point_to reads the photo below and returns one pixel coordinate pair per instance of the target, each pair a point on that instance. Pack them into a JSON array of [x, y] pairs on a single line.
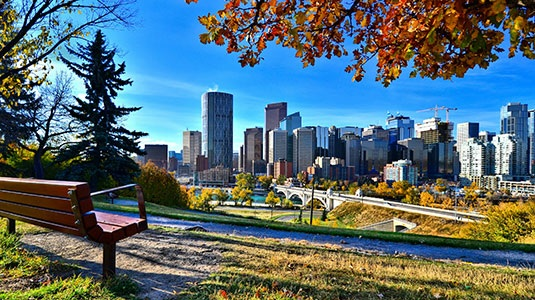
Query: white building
[[507, 155], [476, 159]]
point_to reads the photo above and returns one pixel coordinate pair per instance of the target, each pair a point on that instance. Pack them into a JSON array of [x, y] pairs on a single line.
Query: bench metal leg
[[108, 264], [10, 226]]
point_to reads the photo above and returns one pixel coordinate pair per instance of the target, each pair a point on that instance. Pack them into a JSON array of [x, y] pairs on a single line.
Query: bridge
[[330, 200]]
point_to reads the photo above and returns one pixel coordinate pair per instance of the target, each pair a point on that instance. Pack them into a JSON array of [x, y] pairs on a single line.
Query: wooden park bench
[[66, 206]]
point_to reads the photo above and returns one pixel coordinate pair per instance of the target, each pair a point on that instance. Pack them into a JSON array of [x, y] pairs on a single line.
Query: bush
[[160, 187], [287, 203], [203, 201], [508, 222]]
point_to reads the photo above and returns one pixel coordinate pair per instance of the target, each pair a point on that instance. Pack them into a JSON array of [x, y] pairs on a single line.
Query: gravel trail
[[493, 257]]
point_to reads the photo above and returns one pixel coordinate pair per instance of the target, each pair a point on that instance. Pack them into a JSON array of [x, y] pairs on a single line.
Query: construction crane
[[437, 108]]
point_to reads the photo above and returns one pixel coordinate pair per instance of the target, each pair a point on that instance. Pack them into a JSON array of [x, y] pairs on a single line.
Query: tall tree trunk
[[38, 169]]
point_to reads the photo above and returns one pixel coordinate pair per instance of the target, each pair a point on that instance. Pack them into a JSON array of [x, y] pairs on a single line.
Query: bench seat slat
[[118, 227]]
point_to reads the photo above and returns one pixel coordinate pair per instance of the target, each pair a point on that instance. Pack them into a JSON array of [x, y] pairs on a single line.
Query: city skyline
[[171, 71]]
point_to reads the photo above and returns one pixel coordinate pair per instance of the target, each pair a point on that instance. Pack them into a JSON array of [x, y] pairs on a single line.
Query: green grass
[[78, 287], [159, 210], [15, 261], [268, 269], [27, 268]]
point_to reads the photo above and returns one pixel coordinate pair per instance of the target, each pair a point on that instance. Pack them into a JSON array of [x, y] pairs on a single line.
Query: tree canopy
[[432, 38], [33, 29]]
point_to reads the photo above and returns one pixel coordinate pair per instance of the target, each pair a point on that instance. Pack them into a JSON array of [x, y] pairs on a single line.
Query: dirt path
[[160, 263]]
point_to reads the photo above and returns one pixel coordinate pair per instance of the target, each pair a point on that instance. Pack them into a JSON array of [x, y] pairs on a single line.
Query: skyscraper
[[304, 145], [531, 131], [192, 147], [290, 123], [353, 151], [514, 121], [437, 138], [252, 147], [274, 113], [467, 130], [278, 145], [217, 126], [399, 128]]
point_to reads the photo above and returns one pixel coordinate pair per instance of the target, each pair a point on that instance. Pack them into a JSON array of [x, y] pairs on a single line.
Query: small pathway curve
[[365, 245]]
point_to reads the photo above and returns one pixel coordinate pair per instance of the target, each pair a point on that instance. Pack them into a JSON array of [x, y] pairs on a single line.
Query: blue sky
[[171, 69]]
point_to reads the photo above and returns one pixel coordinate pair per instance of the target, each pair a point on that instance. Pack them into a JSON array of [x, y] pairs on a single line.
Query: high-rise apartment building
[[191, 147], [217, 126], [486, 136], [506, 154], [465, 131], [514, 121], [476, 159], [274, 113], [252, 150], [157, 154], [304, 144]]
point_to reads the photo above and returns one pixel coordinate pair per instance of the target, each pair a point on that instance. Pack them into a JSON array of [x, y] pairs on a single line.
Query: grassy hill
[[355, 215]]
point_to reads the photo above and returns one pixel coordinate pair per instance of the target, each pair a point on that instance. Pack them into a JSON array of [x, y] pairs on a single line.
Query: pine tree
[[102, 151]]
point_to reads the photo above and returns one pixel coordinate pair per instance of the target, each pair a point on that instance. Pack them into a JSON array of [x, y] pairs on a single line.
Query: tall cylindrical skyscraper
[[217, 120]]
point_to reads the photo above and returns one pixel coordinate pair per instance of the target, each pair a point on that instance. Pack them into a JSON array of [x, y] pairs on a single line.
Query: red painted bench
[[66, 206]]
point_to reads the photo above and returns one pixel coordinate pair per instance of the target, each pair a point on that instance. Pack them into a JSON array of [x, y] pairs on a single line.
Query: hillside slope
[[356, 215]]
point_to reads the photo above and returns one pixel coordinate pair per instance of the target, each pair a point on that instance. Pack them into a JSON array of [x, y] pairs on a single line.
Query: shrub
[[203, 201], [287, 203], [160, 187], [508, 222]]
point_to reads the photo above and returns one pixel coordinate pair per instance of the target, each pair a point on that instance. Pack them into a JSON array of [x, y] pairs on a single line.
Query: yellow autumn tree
[[426, 199]]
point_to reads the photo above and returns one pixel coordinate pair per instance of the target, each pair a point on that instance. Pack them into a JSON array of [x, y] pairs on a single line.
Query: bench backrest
[[64, 206]]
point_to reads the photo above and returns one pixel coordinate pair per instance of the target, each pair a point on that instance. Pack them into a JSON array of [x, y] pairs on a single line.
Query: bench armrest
[[139, 196]]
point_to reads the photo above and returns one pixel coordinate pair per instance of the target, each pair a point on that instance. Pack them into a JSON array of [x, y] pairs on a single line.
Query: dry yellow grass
[[357, 215], [257, 269]]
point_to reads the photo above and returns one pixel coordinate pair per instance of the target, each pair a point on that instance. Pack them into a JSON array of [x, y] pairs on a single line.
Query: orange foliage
[[436, 38]]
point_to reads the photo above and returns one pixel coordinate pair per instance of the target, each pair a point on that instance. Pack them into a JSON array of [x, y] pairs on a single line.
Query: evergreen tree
[[102, 151]]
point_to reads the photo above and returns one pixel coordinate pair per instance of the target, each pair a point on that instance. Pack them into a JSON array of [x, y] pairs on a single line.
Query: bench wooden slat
[[47, 215], [111, 223], [43, 187], [53, 203], [41, 223]]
